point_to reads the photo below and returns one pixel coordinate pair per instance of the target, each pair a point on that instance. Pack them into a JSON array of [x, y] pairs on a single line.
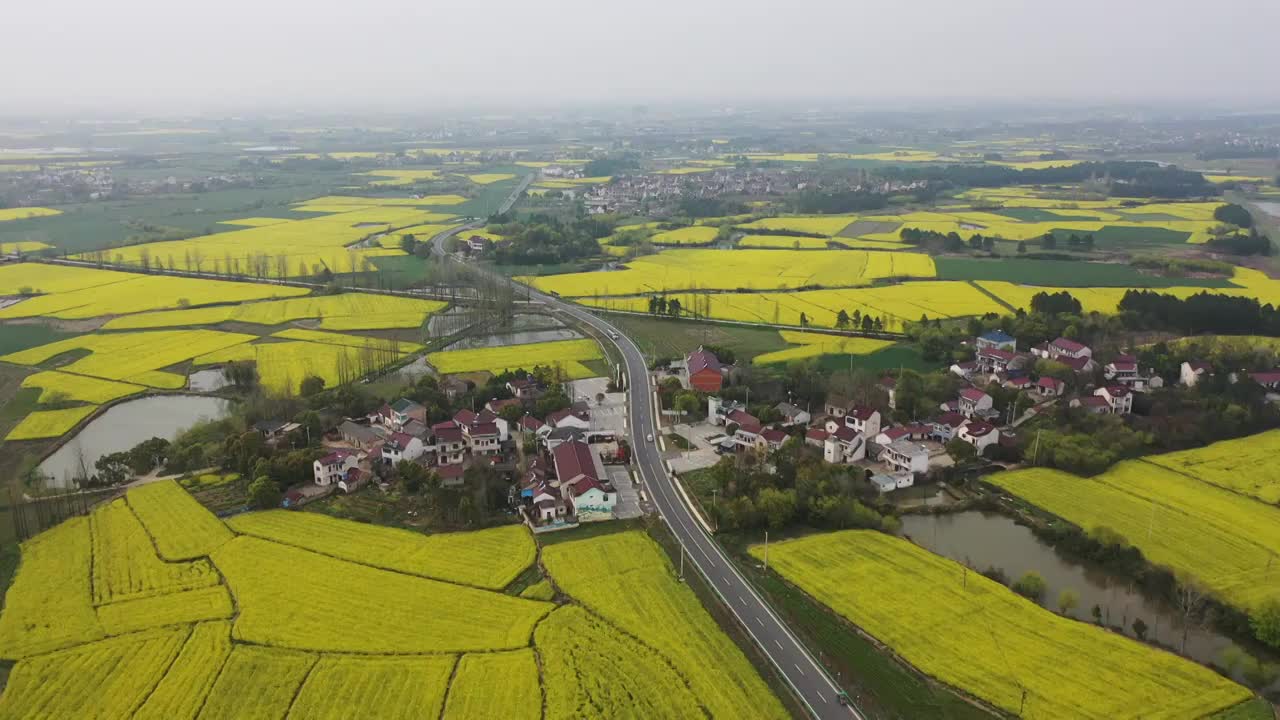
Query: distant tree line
[[546, 240], [1128, 178], [834, 203], [1200, 313]]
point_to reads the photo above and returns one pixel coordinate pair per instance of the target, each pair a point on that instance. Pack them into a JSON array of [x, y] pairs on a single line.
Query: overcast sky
[[158, 55]]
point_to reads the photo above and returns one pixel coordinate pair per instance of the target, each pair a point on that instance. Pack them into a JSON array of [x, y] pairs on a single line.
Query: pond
[[207, 380], [982, 540], [125, 425], [514, 338]]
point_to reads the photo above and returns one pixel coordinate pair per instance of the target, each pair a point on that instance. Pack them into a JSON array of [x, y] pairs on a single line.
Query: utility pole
[[766, 550], [682, 563]]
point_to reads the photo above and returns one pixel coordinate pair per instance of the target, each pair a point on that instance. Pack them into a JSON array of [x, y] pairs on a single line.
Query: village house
[[718, 409], [888, 482], [771, 439], [449, 443], [452, 475], [400, 446], [965, 370], [996, 340], [353, 480], [1122, 370], [863, 420], [946, 425], [1191, 372], [979, 433], [1049, 387], [1021, 382], [706, 374], [333, 467], [1119, 398], [914, 431], [454, 388], [995, 360], [577, 416], [889, 385], [792, 415], [1269, 379], [562, 435], [578, 478], [844, 446], [531, 425], [1074, 355], [1092, 404], [906, 456], [496, 406], [524, 389], [747, 429], [974, 402], [816, 437], [363, 437]]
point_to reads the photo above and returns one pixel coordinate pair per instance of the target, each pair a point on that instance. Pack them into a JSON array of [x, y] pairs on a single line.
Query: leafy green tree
[[264, 493], [311, 385], [1139, 629], [1030, 586], [1068, 600], [1265, 621], [688, 403], [960, 451]]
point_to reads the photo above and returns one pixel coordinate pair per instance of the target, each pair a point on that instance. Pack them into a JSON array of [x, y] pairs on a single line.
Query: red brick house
[[706, 374]]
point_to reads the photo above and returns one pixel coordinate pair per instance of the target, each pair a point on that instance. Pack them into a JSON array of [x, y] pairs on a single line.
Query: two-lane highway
[[807, 678]]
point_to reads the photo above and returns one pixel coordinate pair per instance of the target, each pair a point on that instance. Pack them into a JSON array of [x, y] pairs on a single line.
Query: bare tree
[[1190, 599]]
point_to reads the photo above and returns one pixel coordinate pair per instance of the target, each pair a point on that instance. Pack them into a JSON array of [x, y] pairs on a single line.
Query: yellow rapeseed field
[[1245, 465], [129, 356], [294, 598], [572, 643], [27, 213], [180, 608], [784, 242], [626, 579], [697, 235], [22, 246], [567, 354], [387, 688], [257, 683], [813, 345], [49, 423], [73, 293], [290, 249], [489, 178], [401, 177], [187, 683], [282, 366], [501, 684], [106, 679], [678, 270], [346, 311], [977, 635], [59, 386], [489, 559], [181, 527], [894, 304], [1224, 539], [50, 603], [824, 225], [254, 221], [126, 565]]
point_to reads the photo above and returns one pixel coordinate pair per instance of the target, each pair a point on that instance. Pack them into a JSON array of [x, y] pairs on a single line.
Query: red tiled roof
[[487, 428], [1115, 390], [978, 428], [743, 418], [894, 433], [498, 406], [335, 457], [1018, 381], [529, 422], [464, 417], [484, 416], [844, 433], [1076, 364], [1049, 382], [862, 413], [444, 424], [700, 360], [582, 486], [1067, 345], [449, 472], [451, 433], [997, 353], [817, 434], [572, 459], [773, 435], [950, 419], [1266, 378], [1123, 365], [972, 394]]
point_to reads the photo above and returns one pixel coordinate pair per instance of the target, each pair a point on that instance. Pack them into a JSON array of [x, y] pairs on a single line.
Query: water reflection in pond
[[207, 380], [989, 540], [125, 425]]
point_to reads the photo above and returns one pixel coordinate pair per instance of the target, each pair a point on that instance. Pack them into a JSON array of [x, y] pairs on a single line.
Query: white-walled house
[[333, 467], [974, 402], [906, 456], [1119, 397], [844, 446], [1192, 372], [863, 420], [979, 434]]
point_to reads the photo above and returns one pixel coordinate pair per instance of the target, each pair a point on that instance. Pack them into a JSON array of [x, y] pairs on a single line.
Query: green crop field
[[978, 636], [129, 613], [1063, 273]]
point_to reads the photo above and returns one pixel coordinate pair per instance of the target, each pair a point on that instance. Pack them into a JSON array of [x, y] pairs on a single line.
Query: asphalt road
[[809, 681]]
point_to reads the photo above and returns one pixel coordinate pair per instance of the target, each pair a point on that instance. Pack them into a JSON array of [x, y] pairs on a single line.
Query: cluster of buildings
[[568, 489]]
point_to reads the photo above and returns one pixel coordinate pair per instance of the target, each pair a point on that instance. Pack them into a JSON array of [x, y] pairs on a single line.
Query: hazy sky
[[158, 55]]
